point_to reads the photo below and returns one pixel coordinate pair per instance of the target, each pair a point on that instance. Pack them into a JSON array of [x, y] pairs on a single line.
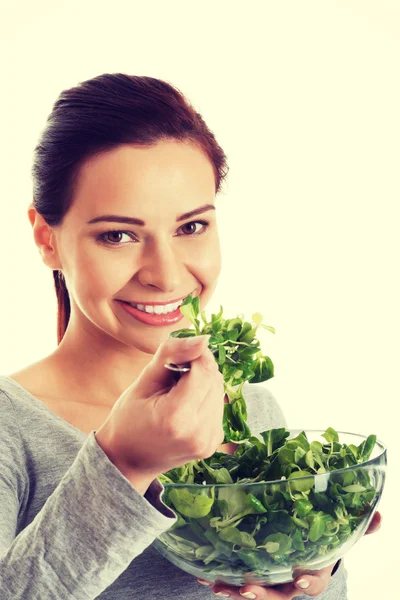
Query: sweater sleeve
[[88, 531], [264, 411]]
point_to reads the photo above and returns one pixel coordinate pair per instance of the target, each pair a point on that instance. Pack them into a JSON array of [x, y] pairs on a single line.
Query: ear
[[45, 239], [31, 213]]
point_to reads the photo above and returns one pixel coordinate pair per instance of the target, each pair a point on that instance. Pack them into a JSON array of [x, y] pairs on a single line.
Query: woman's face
[[160, 261]]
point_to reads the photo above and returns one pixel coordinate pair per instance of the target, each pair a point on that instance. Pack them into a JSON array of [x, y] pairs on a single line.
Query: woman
[[125, 178]]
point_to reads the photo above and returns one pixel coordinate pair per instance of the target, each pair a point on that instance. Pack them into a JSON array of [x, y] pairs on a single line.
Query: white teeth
[[158, 310]]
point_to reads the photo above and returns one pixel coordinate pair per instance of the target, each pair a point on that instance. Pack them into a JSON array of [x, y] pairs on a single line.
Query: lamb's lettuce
[[237, 351], [286, 522]]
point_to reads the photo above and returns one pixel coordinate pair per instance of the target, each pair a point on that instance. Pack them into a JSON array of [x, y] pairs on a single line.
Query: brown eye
[[107, 239], [191, 228], [111, 234]]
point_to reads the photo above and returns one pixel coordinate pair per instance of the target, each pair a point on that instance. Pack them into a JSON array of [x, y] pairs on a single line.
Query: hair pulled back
[[98, 115]]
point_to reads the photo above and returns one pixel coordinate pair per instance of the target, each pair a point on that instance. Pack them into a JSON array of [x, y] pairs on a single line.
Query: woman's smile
[[155, 314]]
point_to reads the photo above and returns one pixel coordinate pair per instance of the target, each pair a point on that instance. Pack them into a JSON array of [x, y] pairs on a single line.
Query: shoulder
[[7, 410], [13, 415], [12, 449], [10, 437], [263, 410], [11, 396]]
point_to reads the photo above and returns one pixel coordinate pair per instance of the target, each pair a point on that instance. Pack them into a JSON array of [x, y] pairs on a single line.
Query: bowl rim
[[319, 476]]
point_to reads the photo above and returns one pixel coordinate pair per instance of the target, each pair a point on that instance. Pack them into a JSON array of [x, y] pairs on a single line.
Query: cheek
[[98, 277], [207, 272], [208, 261]]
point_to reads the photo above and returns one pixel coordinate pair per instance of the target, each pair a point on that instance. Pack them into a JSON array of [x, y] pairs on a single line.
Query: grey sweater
[[72, 527]]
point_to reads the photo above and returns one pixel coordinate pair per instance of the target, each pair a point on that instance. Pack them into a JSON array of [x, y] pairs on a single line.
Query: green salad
[[256, 527], [239, 356]]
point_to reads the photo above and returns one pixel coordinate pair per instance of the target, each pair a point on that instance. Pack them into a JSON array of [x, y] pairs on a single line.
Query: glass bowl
[[268, 533]]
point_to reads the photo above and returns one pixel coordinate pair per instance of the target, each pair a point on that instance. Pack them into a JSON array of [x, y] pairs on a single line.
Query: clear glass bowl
[[278, 542]]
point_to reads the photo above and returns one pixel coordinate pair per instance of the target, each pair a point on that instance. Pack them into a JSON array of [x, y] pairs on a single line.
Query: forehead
[[169, 175]]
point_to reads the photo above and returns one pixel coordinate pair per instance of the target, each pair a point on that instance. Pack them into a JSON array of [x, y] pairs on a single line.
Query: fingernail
[[203, 582], [303, 584], [222, 594], [248, 595]]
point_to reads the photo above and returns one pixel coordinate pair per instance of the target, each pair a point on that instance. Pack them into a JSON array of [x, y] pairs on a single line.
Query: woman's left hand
[[317, 583]]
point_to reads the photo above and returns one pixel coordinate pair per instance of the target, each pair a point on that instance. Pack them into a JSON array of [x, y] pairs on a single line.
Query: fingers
[[155, 376], [317, 584], [375, 524], [286, 591], [202, 378], [198, 397]]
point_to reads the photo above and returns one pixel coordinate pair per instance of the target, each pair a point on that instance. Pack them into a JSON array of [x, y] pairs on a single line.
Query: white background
[[304, 98]]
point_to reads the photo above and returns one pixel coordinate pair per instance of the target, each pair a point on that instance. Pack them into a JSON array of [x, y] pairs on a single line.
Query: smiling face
[[161, 261]]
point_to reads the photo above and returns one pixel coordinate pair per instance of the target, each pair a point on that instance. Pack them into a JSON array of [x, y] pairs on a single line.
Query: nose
[[161, 267]]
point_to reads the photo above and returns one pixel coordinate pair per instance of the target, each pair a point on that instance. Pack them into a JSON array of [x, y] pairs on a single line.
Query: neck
[[97, 364]]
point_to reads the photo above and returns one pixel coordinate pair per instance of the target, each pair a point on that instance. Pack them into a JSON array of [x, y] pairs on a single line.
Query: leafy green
[[287, 521], [237, 351], [191, 504]]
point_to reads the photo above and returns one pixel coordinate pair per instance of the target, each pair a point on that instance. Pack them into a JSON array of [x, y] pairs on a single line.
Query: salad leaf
[[286, 522], [237, 352], [230, 529]]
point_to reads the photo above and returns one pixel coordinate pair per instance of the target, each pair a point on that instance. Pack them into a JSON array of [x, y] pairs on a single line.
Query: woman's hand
[[317, 583], [285, 591], [375, 524], [159, 423]]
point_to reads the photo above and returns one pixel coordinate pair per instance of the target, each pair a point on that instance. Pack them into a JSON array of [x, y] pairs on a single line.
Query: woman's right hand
[[157, 423]]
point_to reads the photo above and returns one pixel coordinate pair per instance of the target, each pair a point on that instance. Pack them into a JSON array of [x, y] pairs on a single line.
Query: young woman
[[125, 177]]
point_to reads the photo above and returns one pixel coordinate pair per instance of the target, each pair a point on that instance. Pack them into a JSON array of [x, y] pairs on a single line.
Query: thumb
[[317, 581], [155, 377]]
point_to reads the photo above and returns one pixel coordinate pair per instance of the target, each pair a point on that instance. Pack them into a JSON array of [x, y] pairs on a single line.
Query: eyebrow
[[133, 221]]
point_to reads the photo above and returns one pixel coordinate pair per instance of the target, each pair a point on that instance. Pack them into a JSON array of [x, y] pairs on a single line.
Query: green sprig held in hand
[[237, 351]]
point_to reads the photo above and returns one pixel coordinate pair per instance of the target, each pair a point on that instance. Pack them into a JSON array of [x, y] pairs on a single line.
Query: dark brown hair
[[95, 116]]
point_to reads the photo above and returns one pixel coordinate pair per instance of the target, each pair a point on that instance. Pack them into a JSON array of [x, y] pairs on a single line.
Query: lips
[[150, 318]]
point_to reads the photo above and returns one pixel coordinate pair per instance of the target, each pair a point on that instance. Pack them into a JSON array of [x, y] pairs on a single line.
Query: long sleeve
[[86, 534], [73, 527], [264, 411]]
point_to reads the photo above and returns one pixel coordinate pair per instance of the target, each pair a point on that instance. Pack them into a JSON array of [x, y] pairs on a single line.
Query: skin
[[104, 350]]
